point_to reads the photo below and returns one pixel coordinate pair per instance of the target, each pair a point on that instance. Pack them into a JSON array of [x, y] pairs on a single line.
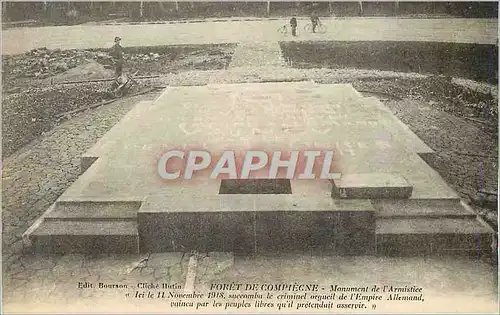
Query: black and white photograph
[[220, 157]]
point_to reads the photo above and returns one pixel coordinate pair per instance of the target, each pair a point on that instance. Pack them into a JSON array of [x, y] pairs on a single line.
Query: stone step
[[340, 233], [424, 227], [85, 237], [417, 208], [259, 224], [371, 186], [93, 210], [432, 236]]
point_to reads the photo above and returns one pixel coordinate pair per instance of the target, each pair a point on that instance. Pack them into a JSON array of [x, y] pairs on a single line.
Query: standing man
[[293, 24], [117, 55]]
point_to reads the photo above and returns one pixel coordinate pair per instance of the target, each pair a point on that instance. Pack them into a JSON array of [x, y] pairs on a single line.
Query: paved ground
[[482, 31], [50, 285]]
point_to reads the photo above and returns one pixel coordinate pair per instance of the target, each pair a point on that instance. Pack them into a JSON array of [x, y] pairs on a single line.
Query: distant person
[[293, 24], [117, 55], [315, 22]]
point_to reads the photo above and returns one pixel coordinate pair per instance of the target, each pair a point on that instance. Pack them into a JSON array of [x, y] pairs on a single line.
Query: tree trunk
[[141, 9], [5, 14], [268, 7]]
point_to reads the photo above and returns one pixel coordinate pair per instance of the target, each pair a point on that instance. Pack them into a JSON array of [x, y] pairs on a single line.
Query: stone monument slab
[[121, 175]]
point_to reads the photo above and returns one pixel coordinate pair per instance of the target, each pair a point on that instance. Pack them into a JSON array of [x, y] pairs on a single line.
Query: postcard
[[249, 157]]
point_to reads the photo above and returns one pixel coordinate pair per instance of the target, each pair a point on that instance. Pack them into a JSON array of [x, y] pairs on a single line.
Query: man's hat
[[117, 38]]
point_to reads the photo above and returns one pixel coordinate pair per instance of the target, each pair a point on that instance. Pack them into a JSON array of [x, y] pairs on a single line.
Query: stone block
[[295, 231], [255, 186], [432, 236], [94, 210], [417, 208], [333, 232], [372, 186], [85, 237], [120, 202], [200, 231], [355, 233]]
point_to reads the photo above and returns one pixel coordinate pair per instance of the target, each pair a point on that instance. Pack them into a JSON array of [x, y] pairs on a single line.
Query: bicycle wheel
[[119, 92], [283, 29], [308, 28], [321, 29]]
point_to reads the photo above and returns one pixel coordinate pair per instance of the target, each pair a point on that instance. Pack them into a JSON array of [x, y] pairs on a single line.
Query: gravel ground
[[472, 61], [174, 59], [466, 152], [30, 107], [43, 63], [36, 175], [29, 114], [441, 94]]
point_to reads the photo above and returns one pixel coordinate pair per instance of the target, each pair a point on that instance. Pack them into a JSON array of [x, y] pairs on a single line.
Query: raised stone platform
[[388, 201]]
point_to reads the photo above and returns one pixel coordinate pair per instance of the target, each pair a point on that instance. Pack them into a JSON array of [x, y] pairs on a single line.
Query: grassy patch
[[471, 61]]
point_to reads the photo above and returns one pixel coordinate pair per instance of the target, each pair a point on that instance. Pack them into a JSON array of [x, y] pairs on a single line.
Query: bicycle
[[122, 84], [283, 29], [320, 28]]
